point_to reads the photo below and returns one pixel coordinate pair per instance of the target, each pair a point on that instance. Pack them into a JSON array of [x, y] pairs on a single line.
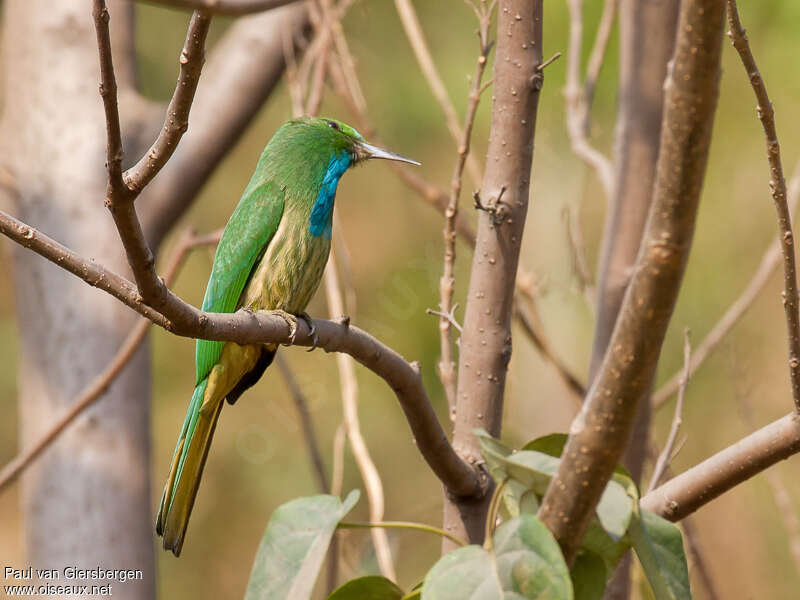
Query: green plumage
[[271, 257]]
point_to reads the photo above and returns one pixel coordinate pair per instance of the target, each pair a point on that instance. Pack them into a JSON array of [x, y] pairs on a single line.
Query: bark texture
[[486, 339], [647, 41], [601, 431], [53, 142]]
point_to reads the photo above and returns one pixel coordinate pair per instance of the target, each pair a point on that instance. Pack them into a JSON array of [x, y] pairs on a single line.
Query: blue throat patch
[[321, 221]]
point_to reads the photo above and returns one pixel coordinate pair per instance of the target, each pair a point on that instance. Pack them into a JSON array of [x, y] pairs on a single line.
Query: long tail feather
[[187, 467]]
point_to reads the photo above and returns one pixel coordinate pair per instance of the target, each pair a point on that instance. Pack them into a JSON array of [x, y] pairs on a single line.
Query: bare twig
[[337, 470], [600, 432], [177, 119], [699, 563], [575, 95], [97, 387], [231, 8], [777, 186], [666, 453], [598, 54], [696, 487], [306, 423], [413, 29], [369, 473], [447, 363], [766, 268]]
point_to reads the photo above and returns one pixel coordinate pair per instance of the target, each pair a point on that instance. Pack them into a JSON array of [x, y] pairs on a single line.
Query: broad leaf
[[589, 576], [294, 545], [525, 562], [659, 546], [371, 587]]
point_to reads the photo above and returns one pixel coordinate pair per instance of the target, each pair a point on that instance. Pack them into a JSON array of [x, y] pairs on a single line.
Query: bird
[[271, 256]]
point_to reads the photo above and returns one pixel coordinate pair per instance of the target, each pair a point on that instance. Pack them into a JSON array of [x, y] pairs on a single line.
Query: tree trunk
[[86, 502]]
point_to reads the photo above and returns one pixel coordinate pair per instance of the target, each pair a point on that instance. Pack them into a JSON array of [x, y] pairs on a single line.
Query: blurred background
[[259, 460]]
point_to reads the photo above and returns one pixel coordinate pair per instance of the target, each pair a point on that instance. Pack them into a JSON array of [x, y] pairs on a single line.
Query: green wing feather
[[243, 242]]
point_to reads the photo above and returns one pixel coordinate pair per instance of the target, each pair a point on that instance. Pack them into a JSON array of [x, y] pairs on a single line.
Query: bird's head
[[341, 138]]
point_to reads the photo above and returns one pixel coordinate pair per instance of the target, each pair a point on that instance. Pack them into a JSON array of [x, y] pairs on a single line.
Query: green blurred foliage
[[394, 240]]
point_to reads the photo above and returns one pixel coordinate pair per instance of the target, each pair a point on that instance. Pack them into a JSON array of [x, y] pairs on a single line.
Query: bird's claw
[[312, 330], [291, 321]]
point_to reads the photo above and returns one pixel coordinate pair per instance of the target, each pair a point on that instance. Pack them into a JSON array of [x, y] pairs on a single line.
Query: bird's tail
[[187, 466]]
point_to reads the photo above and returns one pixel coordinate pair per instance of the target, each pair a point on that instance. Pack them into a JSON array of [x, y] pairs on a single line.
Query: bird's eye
[[334, 125]]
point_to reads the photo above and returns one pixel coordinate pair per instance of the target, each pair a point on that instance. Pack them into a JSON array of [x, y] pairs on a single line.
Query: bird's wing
[[243, 242]]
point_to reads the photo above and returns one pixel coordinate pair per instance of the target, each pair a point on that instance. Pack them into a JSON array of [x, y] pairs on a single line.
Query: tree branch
[[97, 387], [600, 432], [777, 186], [447, 363], [685, 493], [176, 121], [486, 341]]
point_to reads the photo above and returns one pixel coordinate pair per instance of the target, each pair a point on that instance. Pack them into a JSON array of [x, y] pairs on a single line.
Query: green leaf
[[525, 562], [659, 546], [294, 545], [615, 509], [413, 595], [552, 444], [371, 587], [588, 575]]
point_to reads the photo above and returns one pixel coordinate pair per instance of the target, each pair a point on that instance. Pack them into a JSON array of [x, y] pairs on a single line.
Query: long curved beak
[[367, 151]]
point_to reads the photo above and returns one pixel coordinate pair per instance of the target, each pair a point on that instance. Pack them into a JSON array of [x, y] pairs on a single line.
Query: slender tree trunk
[[87, 501], [647, 40], [486, 341]]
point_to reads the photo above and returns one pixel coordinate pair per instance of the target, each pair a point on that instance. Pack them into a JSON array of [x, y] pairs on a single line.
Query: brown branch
[[413, 29], [486, 342], [663, 460], [777, 186], [230, 8], [97, 387], [447, 363], [600, 432], [241, 72], [245, 327], [177, 119], [696, 487], [769, 263]]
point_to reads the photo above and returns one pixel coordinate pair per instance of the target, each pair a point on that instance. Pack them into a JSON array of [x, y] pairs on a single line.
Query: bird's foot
[[312, 330], [291, 321]]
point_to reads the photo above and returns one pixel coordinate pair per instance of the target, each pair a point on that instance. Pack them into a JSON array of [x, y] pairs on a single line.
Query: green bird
[[271, 257]]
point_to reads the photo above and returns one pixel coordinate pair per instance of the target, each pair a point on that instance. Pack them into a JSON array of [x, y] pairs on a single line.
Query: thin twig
[[413, 29], [766, 268], [176, 121], [777, 186], [337, 470], [666, 454], [699, 563], [598, 54], [97, 387], [447, 363], [349, 384], [306, 423], [401, 525], [575, 95]]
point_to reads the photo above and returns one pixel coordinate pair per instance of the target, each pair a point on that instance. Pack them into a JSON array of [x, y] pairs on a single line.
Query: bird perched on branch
[[271, 257]]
